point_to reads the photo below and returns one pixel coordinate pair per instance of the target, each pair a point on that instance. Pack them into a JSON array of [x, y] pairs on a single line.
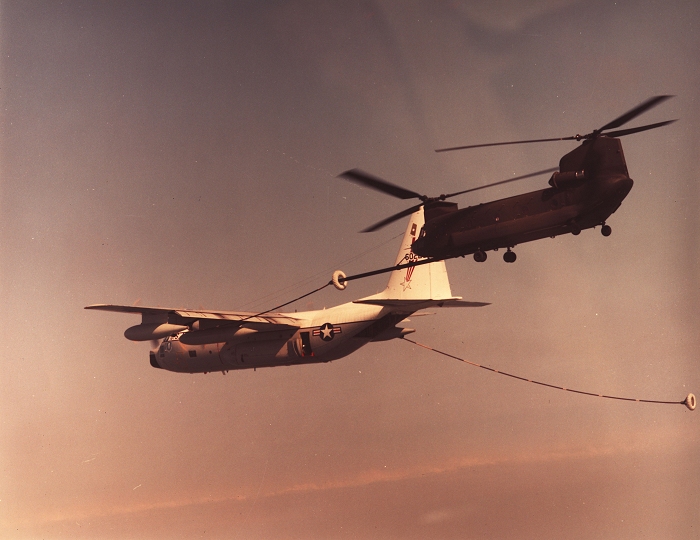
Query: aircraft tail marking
[[425, 282]]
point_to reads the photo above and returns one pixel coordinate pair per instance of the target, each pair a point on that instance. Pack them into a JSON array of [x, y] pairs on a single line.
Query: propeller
[[368, 180], [619, 121]]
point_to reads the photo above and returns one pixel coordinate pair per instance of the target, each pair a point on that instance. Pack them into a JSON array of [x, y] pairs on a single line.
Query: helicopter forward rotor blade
[[623, 132], [385, 222], [368, 180], [639, 109], [538, 173], [409, 211]]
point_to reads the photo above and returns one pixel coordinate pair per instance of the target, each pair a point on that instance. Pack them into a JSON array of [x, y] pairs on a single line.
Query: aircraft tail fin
[[425, 282]]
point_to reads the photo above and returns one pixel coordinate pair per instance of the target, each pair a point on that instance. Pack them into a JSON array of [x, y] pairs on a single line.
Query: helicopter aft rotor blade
[[639, 109], [538, 173], [630, 131], [503, 143], [619, 121]]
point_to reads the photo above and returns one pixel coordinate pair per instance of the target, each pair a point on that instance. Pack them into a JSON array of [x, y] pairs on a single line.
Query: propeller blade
[[623, 132], [538, 173], [365, 179], [639, 109], [385, 222], [504, 143]]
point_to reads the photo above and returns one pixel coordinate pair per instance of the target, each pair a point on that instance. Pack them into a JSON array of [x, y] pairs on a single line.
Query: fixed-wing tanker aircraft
[[198, 341]]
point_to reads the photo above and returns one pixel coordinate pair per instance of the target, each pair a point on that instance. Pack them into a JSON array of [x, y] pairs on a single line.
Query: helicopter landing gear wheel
[[479, 256], [509, 256], [575, 229], [605, 230]]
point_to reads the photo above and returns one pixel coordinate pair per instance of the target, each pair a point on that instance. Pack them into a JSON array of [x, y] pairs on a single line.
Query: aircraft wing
[[179, 315], [203, 326], [420, 304]]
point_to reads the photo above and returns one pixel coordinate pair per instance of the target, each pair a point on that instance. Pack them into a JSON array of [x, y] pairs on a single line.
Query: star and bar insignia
[[327, 331]]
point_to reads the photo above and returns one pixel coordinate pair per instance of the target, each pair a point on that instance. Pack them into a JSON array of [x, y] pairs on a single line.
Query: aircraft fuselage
[[592, 183], [324, 335]]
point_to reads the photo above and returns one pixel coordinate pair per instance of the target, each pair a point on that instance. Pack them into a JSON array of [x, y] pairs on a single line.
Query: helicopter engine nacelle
[[566, 179]]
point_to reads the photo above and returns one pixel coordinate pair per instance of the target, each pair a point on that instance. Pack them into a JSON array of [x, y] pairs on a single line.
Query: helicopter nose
[[154, 361], [419, 246]]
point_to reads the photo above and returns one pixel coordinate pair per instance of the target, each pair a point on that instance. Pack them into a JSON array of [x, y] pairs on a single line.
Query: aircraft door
[[302, 345]]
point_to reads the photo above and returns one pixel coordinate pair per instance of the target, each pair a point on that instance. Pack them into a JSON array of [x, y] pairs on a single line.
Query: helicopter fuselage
[[591, 184]]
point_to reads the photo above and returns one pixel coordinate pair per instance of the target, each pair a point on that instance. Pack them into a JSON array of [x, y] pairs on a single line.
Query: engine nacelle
[[564, 179], [147, 332]]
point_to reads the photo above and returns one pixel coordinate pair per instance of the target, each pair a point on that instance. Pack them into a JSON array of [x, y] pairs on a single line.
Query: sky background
[[185, 154]]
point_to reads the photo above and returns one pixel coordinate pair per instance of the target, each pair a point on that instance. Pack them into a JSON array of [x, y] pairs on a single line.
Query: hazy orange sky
[[185, 154]]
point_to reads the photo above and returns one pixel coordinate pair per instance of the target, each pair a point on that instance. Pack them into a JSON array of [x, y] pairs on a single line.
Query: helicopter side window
[[422, 233]]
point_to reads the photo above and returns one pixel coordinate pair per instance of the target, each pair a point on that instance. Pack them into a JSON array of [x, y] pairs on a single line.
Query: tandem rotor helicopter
[[585, 190]]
